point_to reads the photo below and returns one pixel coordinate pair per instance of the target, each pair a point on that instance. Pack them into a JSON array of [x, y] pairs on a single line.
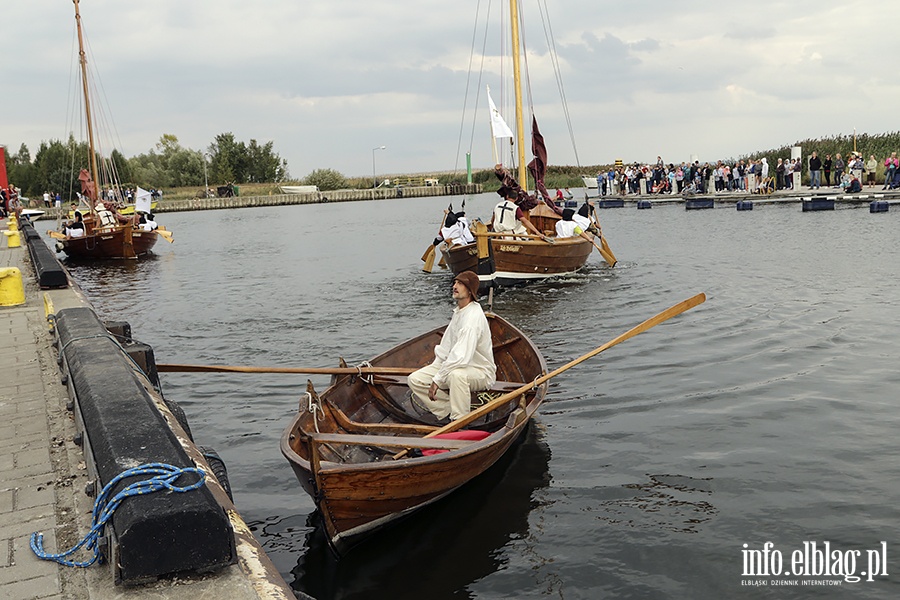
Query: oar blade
[[428, 267], [607, 253]]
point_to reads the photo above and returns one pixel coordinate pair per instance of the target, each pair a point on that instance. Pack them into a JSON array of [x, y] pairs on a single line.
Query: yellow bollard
[[13, 224], [12, 239], [12, 292]]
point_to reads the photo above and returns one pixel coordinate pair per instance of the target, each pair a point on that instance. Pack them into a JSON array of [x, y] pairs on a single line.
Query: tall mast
[[517, 83], [87, 105]]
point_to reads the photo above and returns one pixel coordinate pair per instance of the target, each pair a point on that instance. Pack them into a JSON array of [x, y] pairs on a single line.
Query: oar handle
[[181, 368], [525, 388], [510, 234]]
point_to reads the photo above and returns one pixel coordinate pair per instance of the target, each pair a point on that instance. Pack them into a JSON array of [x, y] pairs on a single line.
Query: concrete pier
[[43, 473], [780, 197]]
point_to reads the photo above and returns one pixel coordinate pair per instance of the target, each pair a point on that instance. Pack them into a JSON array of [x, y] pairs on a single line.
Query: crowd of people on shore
[[748, 175]]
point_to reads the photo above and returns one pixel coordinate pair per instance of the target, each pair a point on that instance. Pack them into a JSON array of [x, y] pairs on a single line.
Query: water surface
[[769, 413]]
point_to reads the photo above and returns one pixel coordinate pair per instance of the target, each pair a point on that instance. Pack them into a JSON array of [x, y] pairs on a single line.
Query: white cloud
[[328, 81]]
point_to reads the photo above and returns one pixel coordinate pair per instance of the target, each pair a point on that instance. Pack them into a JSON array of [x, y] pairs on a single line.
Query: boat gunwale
[[530, 409]]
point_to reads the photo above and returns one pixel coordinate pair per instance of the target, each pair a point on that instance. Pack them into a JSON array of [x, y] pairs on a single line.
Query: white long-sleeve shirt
[[582, 222], [465, 343], [565, 229]]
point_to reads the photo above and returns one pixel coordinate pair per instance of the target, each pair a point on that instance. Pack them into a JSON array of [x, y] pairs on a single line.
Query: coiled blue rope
[[164, 477]]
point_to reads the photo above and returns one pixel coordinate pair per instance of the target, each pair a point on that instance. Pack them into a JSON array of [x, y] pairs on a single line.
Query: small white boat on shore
[[300, 189]]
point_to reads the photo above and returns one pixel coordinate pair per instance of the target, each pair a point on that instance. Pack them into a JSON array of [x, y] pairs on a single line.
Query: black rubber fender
[[218, 468], [179, 415]]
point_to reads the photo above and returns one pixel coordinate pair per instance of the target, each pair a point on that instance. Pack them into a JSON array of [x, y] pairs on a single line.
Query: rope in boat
[[164, 477], [314, 409], [367, 378], [482, 398]]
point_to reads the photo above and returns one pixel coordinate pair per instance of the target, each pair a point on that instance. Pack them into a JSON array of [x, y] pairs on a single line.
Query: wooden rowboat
[[342, 444]]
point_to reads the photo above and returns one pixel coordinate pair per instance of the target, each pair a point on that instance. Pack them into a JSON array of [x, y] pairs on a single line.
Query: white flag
[[498, 126], [142, 201]]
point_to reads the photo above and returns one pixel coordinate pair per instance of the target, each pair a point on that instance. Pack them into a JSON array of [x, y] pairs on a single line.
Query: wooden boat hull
[[507, 261], [359, 490], [119, 243], [519, 261]]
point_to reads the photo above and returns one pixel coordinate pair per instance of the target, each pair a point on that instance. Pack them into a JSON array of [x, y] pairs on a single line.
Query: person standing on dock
[[838, 169], [871, 167], [856, 166], [815, 171], [827, 164], [891, 164], [463, 361]]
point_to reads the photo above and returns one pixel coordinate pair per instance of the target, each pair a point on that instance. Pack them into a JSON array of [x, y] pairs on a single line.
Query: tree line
[[56, 165]]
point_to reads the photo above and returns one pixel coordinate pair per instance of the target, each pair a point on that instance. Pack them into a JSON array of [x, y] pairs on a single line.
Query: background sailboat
[[502, 260], [106, 235]]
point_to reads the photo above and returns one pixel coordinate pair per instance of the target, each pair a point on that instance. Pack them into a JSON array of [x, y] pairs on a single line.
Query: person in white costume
[[463, 361], [567, 227]]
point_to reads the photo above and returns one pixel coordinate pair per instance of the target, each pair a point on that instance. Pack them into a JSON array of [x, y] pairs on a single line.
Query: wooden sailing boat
[[106, 236], [343, 445], [506, 260]]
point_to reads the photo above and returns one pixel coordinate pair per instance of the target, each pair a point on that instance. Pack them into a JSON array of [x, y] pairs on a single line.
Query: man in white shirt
[[463, 361], [455, 230], [583, 218], [567, 227]]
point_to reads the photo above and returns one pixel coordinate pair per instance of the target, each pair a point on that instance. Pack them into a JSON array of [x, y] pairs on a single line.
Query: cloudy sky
[[328, 81]]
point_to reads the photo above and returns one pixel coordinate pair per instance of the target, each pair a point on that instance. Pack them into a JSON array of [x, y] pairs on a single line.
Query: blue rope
[[164, 477]]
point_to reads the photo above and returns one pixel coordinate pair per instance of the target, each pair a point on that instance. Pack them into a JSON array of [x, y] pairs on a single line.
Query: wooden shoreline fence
[[642, 200], [187, 204]]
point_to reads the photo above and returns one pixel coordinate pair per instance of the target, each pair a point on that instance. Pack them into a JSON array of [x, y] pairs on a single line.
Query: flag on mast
[[498, 126], [142, 201]]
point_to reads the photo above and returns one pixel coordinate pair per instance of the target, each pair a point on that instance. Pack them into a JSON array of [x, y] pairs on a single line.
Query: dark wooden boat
[[343, 444], [123, 241], [118, 239], [508, 261]]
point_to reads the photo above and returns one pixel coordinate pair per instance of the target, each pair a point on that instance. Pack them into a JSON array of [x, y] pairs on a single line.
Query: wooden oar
[[510, 234], [606, 255], [486, 408], [428, 256], [428, 267], [166, 235], [605, 251], [176, 368]]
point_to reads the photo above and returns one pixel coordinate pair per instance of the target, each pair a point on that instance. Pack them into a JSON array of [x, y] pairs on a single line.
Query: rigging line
[[525, 60], [554, 56], [480, 77], [103, 109], [462, 123], [507, 99], [70, 117]]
